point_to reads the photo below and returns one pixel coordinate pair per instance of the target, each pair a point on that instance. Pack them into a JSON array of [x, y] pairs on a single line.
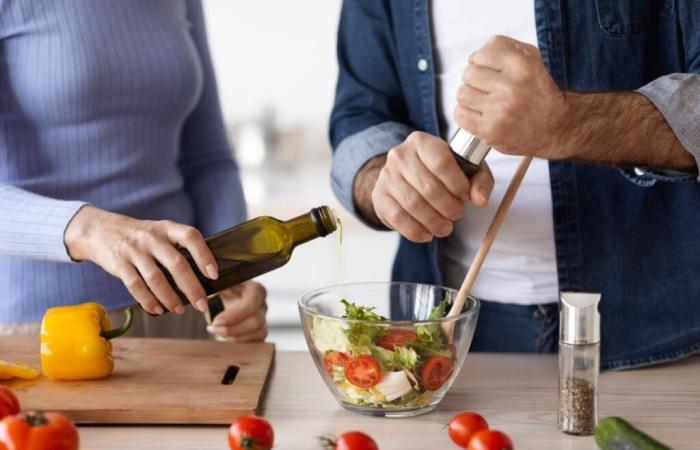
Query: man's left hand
[[243, 317], [510, 101]]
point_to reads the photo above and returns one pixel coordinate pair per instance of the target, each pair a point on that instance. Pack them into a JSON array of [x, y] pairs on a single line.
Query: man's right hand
[[420, 190]]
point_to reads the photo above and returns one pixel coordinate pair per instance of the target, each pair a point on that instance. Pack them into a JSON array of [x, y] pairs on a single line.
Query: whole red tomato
[[38, 431], [9, 405], [490, 440], [352, 440], [250, 433], [463, 426]]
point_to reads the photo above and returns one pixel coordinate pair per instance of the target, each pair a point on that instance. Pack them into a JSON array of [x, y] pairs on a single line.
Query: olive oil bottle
[[256, 247]]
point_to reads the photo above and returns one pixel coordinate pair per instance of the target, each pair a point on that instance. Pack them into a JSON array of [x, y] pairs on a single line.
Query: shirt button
[[639, 171], [422, 65]]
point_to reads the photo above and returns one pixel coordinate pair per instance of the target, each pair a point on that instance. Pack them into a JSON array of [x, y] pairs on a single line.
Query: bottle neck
[[317, 223]]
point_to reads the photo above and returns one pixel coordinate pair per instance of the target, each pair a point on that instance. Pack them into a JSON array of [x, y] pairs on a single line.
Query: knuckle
[[191, 233], [412, 201], [154, 276], [496, 39], [133, 283], [393, 215], [443, 163], [395, 157], [414, 137], [431, 189], [179, 263]]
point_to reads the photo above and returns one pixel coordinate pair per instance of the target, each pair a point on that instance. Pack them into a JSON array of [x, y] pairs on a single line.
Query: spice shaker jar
[[579, 362]]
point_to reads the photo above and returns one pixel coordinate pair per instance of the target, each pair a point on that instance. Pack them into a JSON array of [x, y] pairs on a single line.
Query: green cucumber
[[613, 433]]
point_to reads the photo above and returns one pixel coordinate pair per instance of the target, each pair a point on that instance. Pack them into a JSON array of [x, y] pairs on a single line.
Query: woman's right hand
[[130, 249]]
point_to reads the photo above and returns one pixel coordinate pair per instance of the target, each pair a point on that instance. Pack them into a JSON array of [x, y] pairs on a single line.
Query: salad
[[383, 366]]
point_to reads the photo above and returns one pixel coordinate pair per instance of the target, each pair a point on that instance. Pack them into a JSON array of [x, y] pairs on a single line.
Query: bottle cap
[[579, 319], [469, 147]]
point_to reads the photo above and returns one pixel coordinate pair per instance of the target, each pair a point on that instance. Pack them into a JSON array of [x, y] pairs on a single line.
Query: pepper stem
[[129, 318]]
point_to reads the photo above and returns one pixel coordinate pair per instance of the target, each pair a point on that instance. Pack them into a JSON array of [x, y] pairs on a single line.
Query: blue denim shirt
[[630, 234]]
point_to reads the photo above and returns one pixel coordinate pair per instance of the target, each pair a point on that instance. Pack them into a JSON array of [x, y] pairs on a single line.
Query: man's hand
[[131, 249], [243, 319], [420, 190], [510, 101]]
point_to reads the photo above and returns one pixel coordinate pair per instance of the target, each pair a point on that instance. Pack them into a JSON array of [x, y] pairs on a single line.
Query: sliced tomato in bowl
[[334, 358], [363, 371], [396, 337], [435, 371]]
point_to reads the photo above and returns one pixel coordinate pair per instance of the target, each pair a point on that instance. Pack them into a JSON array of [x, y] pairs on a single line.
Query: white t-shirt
[[521, 266]]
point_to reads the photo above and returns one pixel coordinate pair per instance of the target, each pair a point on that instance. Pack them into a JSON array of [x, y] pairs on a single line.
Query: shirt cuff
[[33, 225], [677, 97], [354, 151]]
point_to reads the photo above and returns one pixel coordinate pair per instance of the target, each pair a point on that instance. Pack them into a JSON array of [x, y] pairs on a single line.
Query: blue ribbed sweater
[[109, 102]]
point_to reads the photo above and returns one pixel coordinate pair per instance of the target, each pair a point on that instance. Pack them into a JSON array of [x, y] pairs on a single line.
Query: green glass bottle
[[256, 247]]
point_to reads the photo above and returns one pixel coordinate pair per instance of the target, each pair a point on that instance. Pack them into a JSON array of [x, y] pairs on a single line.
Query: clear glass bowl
[[397, 367]]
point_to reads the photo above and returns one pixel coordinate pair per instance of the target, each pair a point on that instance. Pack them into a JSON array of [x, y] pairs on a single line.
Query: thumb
[[482, 185]]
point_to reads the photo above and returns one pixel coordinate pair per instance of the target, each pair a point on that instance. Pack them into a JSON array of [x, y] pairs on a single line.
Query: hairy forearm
[[623, 129], [362, 189]]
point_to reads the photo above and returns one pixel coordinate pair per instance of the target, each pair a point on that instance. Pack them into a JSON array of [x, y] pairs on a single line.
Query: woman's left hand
[[243, 317]]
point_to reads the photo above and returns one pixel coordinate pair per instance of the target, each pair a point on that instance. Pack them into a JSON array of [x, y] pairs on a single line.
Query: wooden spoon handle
[[489, 237]]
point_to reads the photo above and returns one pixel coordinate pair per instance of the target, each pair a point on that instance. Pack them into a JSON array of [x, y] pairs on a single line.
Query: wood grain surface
[[516, 393], [155, 381]]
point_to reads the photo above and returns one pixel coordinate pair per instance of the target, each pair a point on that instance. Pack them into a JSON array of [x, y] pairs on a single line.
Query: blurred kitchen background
[[276, 68]]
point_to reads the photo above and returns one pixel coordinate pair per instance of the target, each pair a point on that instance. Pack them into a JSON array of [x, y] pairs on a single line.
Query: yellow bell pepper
[[10, 370], [75, 342]]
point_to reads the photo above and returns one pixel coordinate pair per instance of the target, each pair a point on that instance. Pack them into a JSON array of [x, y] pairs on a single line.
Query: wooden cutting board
[[155, 381]]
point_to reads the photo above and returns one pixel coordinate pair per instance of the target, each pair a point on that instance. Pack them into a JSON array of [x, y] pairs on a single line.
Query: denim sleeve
[[677, 97], [355, 150]]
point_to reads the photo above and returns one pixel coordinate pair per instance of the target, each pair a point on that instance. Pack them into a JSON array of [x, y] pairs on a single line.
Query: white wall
[[280, 54]]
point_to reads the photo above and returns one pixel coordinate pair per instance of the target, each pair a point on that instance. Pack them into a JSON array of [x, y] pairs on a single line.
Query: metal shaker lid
[[579, 319], [469, 147]]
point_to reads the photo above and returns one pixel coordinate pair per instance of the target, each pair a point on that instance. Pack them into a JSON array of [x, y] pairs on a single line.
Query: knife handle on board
[[469, 151]]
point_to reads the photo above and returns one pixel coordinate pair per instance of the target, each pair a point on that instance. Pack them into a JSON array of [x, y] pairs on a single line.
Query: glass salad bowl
[[387, 349]]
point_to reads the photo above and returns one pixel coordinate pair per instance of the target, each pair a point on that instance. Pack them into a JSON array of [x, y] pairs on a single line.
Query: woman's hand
[[130, 249], [243, 319]]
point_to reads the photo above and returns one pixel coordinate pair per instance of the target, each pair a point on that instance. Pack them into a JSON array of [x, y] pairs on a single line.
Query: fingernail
[[210, 329], [159, 310], [444, 231], [180, 309], [484, 192], [211, 272], [202, 305]]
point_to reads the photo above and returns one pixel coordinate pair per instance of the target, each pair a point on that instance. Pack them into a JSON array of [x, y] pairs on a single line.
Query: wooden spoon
[[489, 237]]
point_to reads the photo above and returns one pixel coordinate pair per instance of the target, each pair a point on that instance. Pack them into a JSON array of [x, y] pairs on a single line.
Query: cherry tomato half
[[435, 371], [334, 358], [490, 440], [363, 371], [9, 405], [463, 426], [250, 433], [355, 440], [396, 337]]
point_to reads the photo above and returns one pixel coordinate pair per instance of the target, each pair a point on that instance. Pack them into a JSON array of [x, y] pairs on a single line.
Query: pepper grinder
[[469, 151], [579, 362]]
